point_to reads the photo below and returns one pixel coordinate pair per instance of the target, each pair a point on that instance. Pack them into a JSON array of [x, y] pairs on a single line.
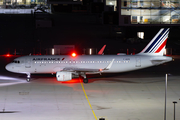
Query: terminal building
[[22, 6], [150, 12], [123, 12]]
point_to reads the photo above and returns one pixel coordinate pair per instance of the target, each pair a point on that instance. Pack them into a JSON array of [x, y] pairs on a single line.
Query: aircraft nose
[[8, 67]]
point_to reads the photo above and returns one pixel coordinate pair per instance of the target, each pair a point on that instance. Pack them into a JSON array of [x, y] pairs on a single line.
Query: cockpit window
[[16, 61]]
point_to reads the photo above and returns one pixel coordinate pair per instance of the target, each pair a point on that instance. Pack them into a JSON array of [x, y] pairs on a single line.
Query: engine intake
[[63, 76]]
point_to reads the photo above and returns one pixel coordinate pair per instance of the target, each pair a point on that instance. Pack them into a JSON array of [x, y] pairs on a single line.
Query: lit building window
[[90, 51], [112, 3], [53, 51], [140, 35]]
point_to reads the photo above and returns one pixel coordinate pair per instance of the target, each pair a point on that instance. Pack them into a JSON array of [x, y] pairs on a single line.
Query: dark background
[[84, 30]]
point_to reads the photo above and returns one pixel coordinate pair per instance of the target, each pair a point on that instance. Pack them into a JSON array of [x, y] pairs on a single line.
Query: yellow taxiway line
[[88, 100]]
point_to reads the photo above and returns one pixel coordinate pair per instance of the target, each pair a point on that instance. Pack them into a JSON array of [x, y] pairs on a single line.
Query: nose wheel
[[28, 77]]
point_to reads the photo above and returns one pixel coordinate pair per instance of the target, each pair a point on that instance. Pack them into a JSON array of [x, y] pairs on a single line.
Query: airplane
[[65, 66]]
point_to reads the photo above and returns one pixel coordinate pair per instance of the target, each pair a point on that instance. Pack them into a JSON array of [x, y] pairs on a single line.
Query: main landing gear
[[28, 77], [85, 80]]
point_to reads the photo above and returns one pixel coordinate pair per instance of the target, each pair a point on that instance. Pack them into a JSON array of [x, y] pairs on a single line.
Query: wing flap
[[81, 70]]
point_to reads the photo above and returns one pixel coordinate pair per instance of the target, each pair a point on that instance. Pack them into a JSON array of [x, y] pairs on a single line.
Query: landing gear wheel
[[85, 80], [28, 79]]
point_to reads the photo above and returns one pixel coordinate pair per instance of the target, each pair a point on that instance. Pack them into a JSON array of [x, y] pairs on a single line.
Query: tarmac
[[136, 95]]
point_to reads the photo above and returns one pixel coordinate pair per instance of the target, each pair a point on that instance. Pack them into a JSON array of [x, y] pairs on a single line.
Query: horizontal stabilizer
[[160, 60]]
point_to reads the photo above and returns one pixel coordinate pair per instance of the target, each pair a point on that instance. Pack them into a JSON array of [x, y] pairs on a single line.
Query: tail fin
[[157, 45]]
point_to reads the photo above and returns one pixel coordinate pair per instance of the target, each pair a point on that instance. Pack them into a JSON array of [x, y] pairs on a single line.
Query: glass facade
[[23, 2], [11, 4], [152, 11], [112, 3], [23, 6]]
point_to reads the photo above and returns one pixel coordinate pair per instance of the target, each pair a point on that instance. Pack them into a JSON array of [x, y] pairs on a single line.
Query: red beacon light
[[73, 55], [8, 55]]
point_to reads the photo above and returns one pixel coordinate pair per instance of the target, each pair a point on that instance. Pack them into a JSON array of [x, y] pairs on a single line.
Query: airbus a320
[[65, 66]]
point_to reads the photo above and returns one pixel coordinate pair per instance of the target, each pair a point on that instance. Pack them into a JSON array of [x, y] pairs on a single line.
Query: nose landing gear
[[28, 77]]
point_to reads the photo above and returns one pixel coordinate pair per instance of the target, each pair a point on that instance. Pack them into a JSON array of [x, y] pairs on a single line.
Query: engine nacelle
[[63, 76]]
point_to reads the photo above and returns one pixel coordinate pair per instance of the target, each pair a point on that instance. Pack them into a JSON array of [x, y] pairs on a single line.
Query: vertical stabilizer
[[157, 45]]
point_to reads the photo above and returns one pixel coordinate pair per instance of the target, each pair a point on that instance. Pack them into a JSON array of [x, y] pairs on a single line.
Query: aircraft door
[[138, 62], [27, 63]]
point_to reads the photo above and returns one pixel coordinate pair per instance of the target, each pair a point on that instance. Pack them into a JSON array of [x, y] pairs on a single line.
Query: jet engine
[[63, 76]]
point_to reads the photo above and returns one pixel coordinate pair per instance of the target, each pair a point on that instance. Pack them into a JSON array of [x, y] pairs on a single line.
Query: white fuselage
[[55, 63]]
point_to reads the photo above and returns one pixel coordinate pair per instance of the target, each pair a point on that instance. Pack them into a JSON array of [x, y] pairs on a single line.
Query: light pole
[[165, 97], [174, 108]]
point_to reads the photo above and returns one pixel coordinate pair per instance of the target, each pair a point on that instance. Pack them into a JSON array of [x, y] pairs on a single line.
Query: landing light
[[73, 54]]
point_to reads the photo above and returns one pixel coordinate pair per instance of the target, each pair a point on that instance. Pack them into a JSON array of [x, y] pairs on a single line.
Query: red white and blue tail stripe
[[157, 45]]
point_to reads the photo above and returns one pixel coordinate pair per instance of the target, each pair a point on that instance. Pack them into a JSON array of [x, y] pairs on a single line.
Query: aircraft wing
[[74, 69], [81, 70]]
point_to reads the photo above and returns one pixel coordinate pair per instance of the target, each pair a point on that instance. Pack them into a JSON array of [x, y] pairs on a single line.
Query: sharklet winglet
[[109, 66], [102, 50]]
